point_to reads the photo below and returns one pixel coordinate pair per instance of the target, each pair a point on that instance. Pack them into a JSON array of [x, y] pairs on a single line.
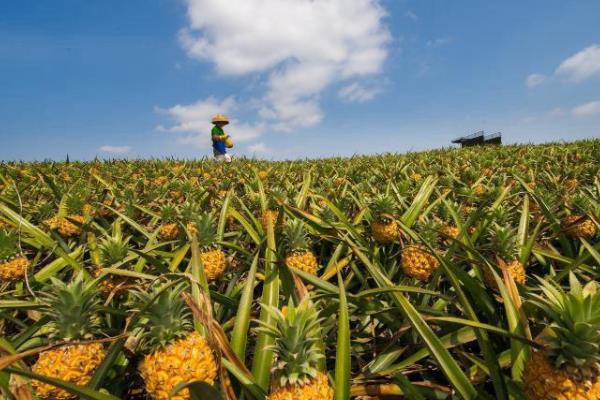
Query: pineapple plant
[[174, 352], [578, 225], [112, 250], [417, 260], [297, 332], [70, 215], [271, 213], [169, 230], [448, 230], [13, 263], [299, 254], [212, 255], [503, 242], [568, 366], [384, 227], [73, 309]]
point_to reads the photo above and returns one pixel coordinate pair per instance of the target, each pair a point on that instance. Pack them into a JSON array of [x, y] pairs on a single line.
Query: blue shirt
[[218, 145]]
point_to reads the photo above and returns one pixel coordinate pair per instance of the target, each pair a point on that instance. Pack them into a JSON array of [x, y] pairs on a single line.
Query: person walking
[[220, 140]]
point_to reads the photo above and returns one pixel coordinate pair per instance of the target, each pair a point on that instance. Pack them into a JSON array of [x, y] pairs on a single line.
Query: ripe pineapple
[[296, 333], [299, 255], [578, 225], [503, 241], [64, 226], [74, 312], [384, 228], [211, 254], [262, 175], [174, 352], [13, 264], [169, 230], [417, 260], [569, 365], [70, 217]]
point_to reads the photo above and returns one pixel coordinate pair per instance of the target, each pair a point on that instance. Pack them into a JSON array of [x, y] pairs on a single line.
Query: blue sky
[[299, 78]]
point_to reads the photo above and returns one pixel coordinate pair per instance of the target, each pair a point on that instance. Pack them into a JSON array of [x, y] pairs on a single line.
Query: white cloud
[[260, 148], [115, 149], [534, 80], [581, 65], [587, 109], [411, 15], [303, 46], [439, 42], [357, 93], [195, 120]]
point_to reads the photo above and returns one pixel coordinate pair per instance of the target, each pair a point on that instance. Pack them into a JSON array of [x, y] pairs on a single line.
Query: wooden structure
[[479, 139]]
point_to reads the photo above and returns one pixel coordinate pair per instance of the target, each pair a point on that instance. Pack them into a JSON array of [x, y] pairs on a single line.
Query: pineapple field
[[447, 274]]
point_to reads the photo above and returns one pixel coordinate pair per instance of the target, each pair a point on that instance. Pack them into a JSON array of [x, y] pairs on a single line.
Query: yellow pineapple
[[212, 256], [299, 255], [169, 230], [417, 260], [74, 312], [568, 366], [296, 375], [174, 353], [578, 224], [65, 226], [262, 175], [384, 228], [571, 184], [449, 231], [13, 264], [70, 217]]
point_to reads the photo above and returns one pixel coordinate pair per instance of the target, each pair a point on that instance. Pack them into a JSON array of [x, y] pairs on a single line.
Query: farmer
[[220, 139]]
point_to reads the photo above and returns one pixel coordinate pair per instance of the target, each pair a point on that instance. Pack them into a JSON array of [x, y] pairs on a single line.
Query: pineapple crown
[[296, 331], [503, 241], [573, 329], [429, 231], [74, 202], [384, 208], [8, 244], [207, 232], [73, 308], [582, 204], [113, 249], [168, 213], [296, 237], [164, 314], [189, 212]]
